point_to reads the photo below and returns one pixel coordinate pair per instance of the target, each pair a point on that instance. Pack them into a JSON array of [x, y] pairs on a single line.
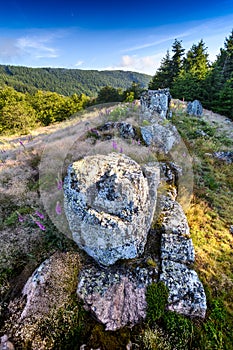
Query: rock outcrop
[[225, 156], [162, 137], [186, 292], [155, 103], [194, 108], [109, 203], [45, 297]]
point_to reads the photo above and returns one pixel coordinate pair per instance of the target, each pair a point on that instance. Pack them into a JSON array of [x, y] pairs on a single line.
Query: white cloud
[[156, 42], [37, 46], [79, 63], [144, 64]]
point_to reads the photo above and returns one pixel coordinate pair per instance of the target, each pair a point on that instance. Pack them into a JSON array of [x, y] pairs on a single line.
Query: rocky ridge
[[96, 206]]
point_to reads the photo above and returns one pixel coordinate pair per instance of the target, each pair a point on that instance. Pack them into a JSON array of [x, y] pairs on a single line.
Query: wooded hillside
[[67, 81]]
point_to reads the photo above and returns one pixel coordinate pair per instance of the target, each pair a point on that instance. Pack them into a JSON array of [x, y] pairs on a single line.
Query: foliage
[[156, 297], [109, 94], [22, 112], [193, 77], [67, 81]]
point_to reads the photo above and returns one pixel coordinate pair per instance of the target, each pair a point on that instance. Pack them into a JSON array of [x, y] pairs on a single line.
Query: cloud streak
[[144, 64]]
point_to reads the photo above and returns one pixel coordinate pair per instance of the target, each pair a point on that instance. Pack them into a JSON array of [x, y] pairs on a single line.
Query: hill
[[67, 81]]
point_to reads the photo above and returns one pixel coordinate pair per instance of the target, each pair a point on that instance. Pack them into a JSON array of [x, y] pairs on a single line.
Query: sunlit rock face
[[109, 202]]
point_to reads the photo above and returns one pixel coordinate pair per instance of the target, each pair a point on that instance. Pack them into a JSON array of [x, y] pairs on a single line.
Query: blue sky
[[128, 35]]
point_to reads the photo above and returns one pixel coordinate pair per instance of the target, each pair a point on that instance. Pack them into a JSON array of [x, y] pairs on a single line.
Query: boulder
[[109, 202], [116, 297], [155, 103], [194, 108], [162, 137], [46, 297], [186, 292], [125, 130]]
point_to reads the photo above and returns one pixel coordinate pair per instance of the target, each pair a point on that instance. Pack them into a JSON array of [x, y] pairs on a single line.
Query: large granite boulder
[[109, 202], [194, 108], [155, 103]]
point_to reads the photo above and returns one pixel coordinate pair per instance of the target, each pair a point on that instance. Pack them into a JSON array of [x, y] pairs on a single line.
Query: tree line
[[20, 112], [191, 76]]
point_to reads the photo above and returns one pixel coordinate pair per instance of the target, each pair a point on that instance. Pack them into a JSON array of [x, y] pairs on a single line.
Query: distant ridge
[[68, 81]]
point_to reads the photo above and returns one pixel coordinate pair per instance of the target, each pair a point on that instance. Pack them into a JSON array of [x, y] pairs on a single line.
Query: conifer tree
[[163, 77]]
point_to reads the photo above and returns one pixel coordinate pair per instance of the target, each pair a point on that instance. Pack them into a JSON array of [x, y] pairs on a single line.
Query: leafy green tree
[[134, 91], [17, 117], [108, 94]]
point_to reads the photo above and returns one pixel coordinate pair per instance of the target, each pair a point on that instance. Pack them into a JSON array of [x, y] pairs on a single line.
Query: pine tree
[[177, 58], [196, 61], [163, 77], [228, 63]]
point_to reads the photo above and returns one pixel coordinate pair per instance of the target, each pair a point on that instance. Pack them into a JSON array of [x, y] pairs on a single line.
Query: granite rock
[[162, 137], [155, 103], [194, 108], [116, 297], [109, 202], [186, 292]]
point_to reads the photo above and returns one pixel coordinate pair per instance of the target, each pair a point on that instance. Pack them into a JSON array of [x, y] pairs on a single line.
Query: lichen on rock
[[109, 203]]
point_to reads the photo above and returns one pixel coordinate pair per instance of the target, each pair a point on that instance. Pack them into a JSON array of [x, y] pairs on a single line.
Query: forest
[[191, 76], [67, 81]]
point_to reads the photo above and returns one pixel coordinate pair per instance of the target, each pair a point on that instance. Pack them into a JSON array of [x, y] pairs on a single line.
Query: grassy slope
[[210, 218]]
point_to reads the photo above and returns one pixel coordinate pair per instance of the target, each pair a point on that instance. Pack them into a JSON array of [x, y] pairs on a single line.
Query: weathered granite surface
[[162, 137], [194, 108], [109, 203], [186, 292], [117, 297], [155, 103]]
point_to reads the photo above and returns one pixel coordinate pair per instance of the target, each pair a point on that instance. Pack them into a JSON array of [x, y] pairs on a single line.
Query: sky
[[126, 35]]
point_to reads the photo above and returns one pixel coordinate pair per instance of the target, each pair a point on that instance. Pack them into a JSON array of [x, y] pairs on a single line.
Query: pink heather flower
[[59, 185], [114, 144], [139, 142], [121, 150], [20, 218], [39, 224], [21, 143], [40, 215], [58, 208]]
